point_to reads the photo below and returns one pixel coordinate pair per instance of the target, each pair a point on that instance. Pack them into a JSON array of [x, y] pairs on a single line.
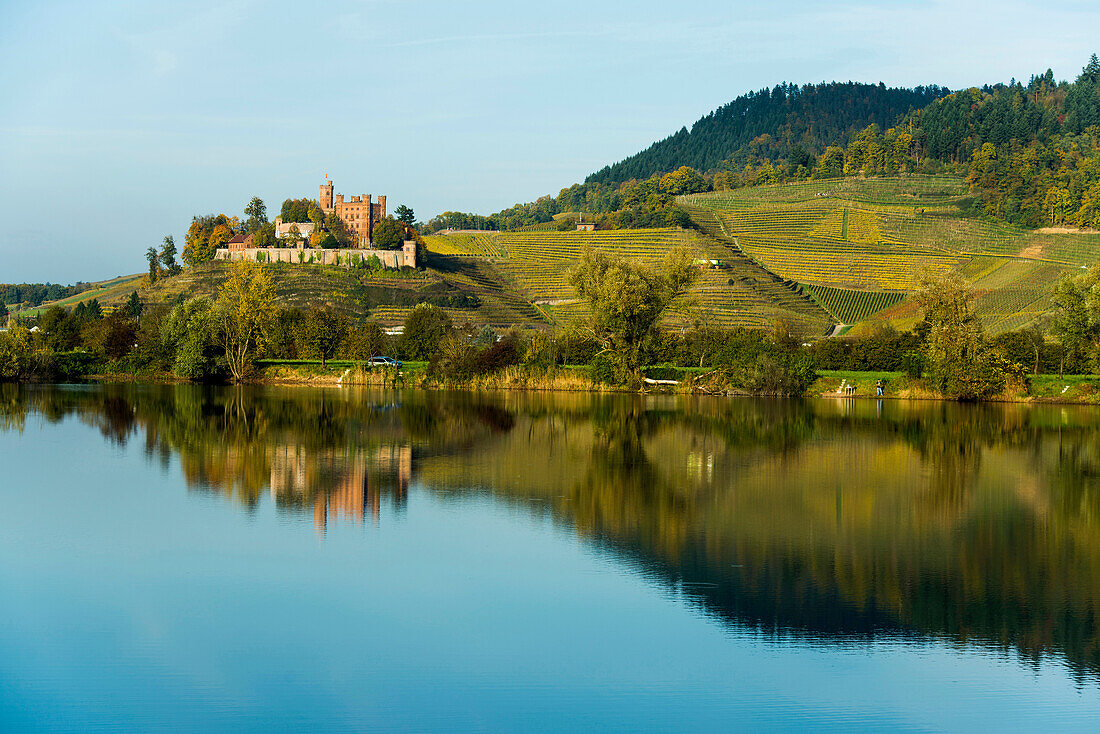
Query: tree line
[[33, 294]]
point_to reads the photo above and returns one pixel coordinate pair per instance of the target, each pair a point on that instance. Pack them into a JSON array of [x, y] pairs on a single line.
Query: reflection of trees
[[923, 519], [622, 493], [817, 518], [13, 408]]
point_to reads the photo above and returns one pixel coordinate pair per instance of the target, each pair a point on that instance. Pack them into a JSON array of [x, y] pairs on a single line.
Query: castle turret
[[326, 196]]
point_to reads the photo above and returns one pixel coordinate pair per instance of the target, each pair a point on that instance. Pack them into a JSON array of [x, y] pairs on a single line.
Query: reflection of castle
[[343, 483]]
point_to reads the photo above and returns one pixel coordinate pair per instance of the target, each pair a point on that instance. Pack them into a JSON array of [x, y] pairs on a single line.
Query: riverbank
[[1070, 389], [1044, 388], [1067, 389]]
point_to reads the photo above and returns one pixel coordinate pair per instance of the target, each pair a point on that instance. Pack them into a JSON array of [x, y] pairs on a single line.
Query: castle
[[359, 213]]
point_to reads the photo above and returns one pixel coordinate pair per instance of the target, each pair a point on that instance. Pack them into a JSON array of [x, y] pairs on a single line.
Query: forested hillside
[[1030, 152], [788, 121]]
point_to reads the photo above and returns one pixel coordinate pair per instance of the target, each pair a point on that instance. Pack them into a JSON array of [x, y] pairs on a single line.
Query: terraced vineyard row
[[1009, 294], [850, 306], [1013, 293], [850, 268], [1077, 248], [463, 243]]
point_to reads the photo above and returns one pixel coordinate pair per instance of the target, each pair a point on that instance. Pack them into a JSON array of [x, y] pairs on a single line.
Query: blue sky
[[121, 120]]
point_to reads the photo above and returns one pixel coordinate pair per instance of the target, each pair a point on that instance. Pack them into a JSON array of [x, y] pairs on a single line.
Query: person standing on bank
[[878, 388]]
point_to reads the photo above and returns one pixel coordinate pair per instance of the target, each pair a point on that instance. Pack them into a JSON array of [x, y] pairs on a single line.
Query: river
[[192, 558]]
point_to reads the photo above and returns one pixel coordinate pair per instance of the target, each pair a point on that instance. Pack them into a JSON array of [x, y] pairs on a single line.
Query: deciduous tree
[[1076, 319], [244, 314], [154, 263], [627, 299], [366, 340], [256, 211], [323, 330], [168, 255], [388, 234], [425, 327], [336, 227], [960, 364]]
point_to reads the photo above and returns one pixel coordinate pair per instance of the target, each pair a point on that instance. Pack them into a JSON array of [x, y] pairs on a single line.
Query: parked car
[[385, 362]]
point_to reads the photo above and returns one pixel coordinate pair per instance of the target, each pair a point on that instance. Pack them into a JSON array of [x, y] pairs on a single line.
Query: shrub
[[455, 359], [503, 353], [542, 351], [783, 374], [602, 369]]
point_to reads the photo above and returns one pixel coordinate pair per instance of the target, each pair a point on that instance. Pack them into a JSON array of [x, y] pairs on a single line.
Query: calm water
[[183, 558]]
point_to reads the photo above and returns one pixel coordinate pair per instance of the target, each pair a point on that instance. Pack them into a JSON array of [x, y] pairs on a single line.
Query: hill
[[737, 293], [1030, 153], [780, 122], [858, 246], [465, 289], [812, 253]]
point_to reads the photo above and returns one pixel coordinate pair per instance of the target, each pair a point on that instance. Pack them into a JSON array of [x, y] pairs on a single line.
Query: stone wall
[[405, 257]]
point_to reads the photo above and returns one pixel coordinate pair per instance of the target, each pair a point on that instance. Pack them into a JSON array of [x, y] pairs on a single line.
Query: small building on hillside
[[586, 226], [239, 242], [283, 230]]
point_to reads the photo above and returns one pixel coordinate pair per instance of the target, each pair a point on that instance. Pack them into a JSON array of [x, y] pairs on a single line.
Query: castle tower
[[326, 196]]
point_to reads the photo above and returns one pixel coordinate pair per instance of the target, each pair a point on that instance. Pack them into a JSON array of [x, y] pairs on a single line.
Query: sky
[[119, 121]]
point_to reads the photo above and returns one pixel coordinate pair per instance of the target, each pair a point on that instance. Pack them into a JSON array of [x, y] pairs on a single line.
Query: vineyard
[[849, 307], [815, 252], [481, 244], [860, 246], [737, 293]]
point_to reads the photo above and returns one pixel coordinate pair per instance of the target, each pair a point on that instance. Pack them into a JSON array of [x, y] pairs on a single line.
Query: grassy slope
[[879, 235]]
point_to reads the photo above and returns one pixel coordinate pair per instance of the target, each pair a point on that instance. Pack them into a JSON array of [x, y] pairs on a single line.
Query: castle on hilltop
[[359, 213]]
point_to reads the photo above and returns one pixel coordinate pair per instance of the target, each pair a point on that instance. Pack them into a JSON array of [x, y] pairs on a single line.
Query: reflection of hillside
[[927, 520], [824, 518]]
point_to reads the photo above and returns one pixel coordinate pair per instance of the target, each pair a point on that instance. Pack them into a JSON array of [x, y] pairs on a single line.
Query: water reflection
[[831, 520]]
